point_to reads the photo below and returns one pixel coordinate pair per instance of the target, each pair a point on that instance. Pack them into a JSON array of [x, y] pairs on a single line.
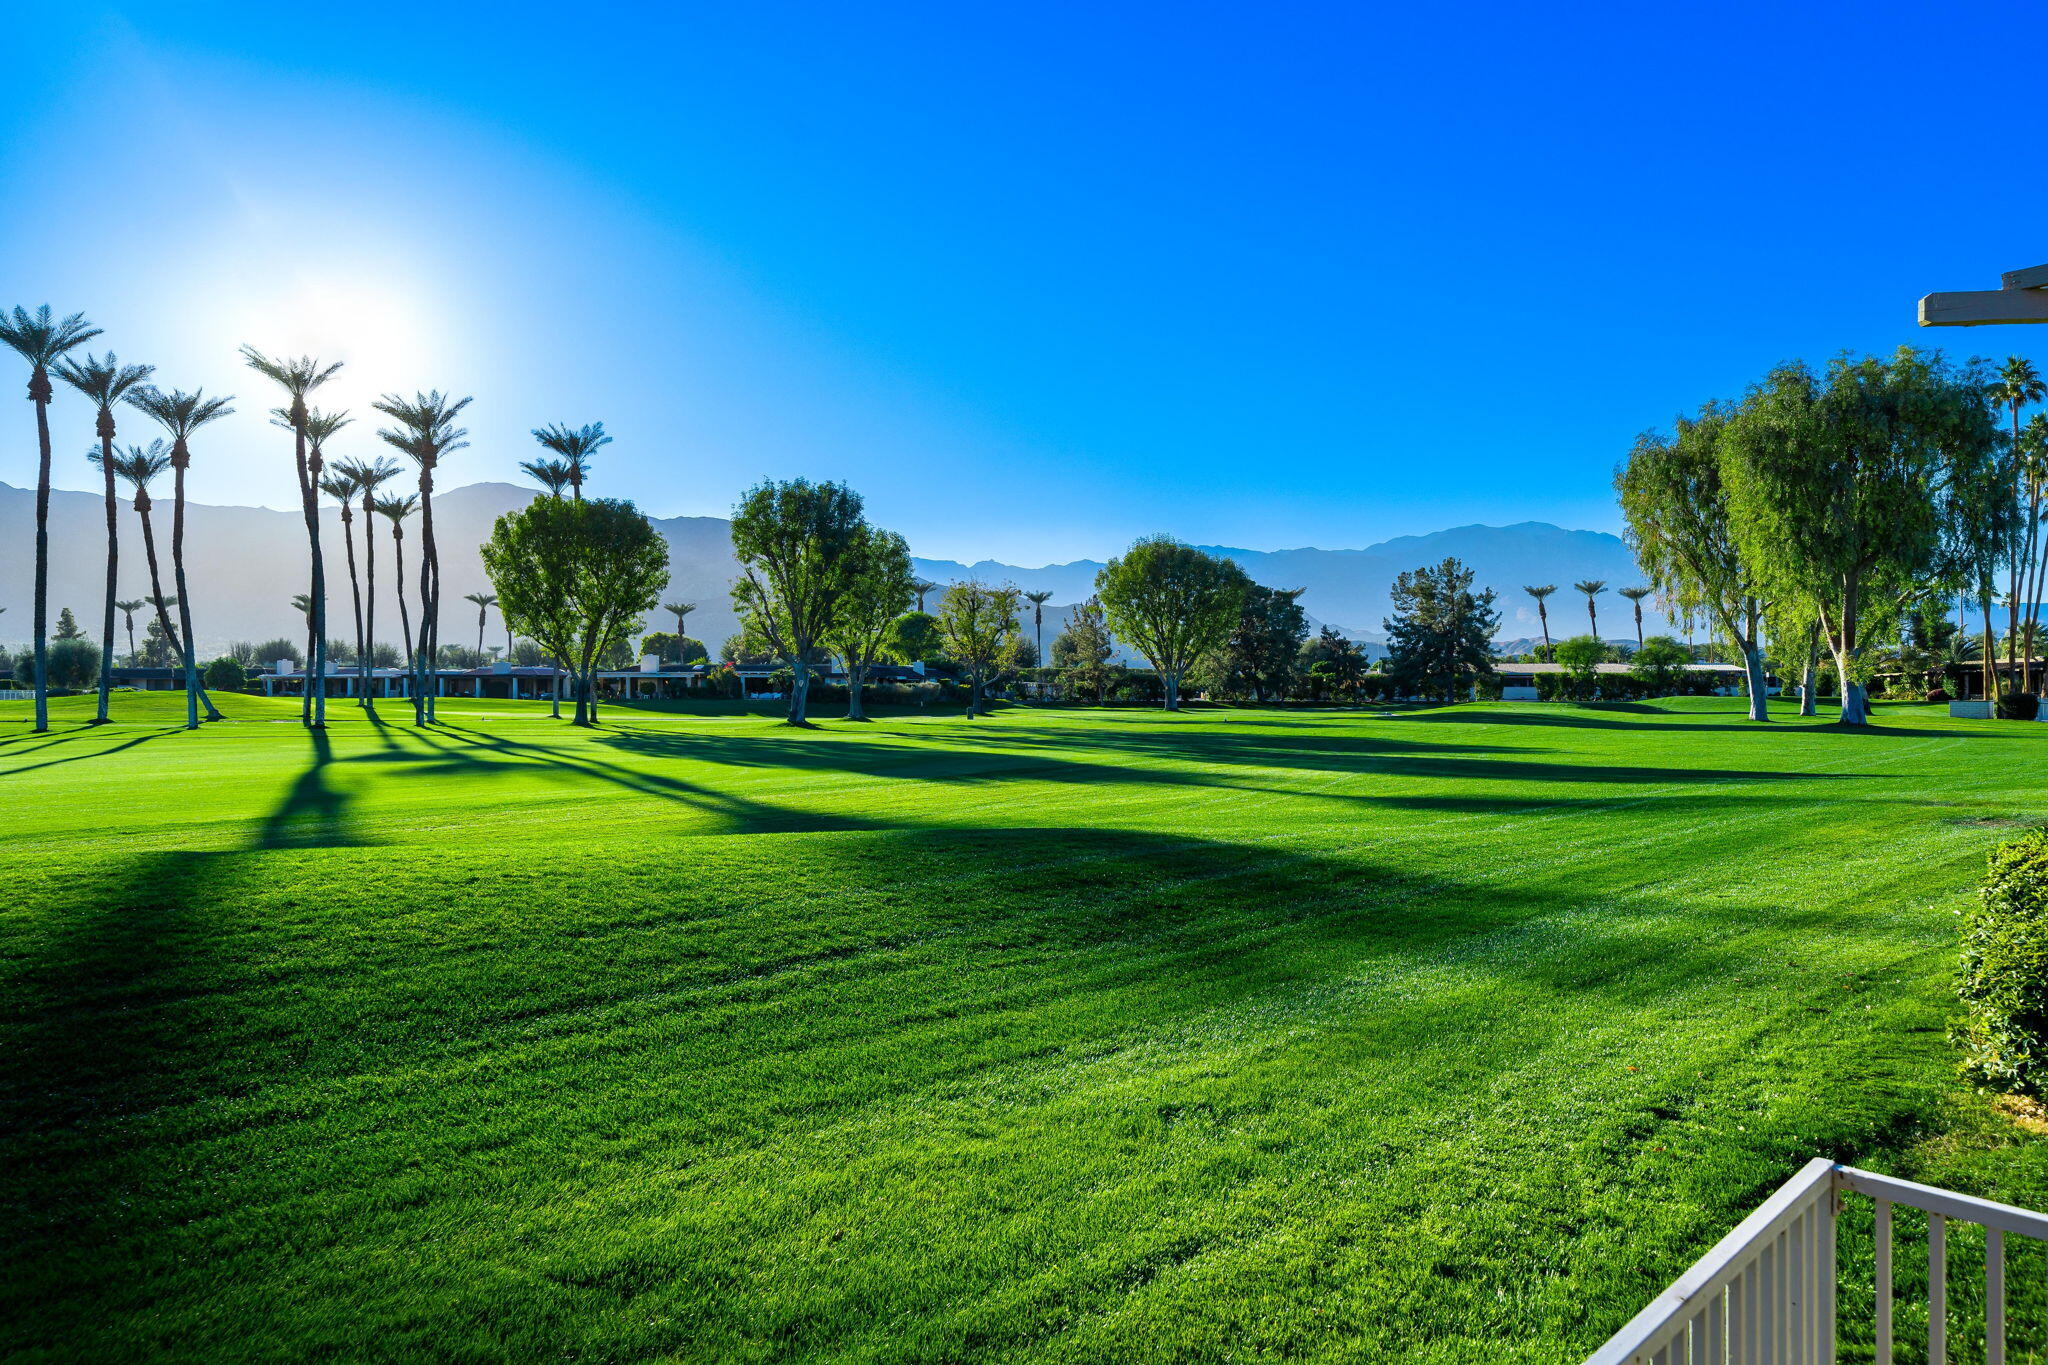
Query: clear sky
[[1034, 278]]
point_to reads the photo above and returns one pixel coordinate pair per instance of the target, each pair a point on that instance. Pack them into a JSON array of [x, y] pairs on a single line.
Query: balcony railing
[[1767, 1293]]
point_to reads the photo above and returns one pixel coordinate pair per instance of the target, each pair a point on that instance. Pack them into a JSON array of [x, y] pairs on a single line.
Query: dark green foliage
[[74, 664], [226, 674], [1332, 665], [2018, 706], [1258, 661], [1173, 603], [2004, 977], [669, 647], [67, 627], [1440, 637], [269, 652]]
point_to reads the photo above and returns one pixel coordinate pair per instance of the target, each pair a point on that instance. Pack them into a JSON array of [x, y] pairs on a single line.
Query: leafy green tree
[[426, 432], [914, 637], [878, 589], [270, 651], [577, 577], [795, 544], [1832, 482], [42, 340], [1173, 603], [1580, 657], [105, 381], [1334, 663], [1085, 648], [226, 675], [67, 626], [1440, 636], [1258, 658], [979, 624], [1674, 497], [1659, 665], [182, 414], [73, 665], [665, 645]]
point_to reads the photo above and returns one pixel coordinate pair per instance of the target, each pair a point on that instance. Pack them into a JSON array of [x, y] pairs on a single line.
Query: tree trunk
[[557, 709], [1171, 687], [368, 663], [39, 392], [1809, 682], [355, 589], [423, 704], [194, 694], [113, 564], [1990, 669], [1753, 675], [156, 584], [854, 678], [799, 690], [310, 487], [973, 693]]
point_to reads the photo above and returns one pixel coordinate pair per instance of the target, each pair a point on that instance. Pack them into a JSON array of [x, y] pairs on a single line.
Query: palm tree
[[575, 445], [343, 488], [105, 381], [181, 414], [396, 510], [1592, 587], [2017, 385], [128, 610], [1038, 601], [303, 605], [1635, 597], [426, 431], [483, 601], [921, 586], [553, 475], [1539, 592], [682, 612], [299, 377], [368, 476], [42, 340], [137, 468]]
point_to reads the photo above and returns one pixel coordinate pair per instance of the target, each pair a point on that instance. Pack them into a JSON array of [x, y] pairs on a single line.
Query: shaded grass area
[[1444, 1035]]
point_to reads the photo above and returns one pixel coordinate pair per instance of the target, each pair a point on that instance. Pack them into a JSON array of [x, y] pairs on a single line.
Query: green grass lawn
[[1448, 1035]]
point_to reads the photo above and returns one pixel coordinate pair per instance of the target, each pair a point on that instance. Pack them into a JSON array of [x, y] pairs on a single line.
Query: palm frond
[[321, 425], [573, 443], [426, 424], [369, 475], [179, 412], [396, 507], [103, 379], [137, 464], [40, 338], [297, 375], [552, 475]]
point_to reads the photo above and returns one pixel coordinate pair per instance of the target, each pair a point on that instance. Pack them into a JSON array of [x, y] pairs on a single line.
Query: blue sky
[[1035, 279]]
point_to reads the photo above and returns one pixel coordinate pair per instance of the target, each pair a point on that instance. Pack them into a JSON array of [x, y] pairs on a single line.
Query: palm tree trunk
[[309, 486], [113, 566], [404, 616], [194, 694], [355, 588], [1990, 669], [369, 660], [39, 392], [423, 700], [1544, 617], [156, 582]]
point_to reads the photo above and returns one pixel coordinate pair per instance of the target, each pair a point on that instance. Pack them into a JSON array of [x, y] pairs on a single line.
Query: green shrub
[[2018, 706], [2004, 976], [225, 674]]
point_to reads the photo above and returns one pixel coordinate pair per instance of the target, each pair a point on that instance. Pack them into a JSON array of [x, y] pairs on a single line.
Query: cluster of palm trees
[[423, 428]]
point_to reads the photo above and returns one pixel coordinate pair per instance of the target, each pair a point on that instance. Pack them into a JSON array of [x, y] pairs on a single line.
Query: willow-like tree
[[979, 626], [1675, 501], [366, 477], [42, 340], [1832, 481], [794, 542], [576, 577], [1173, 602], [575, 446], [1539, 592], [877, 592], [182, 414], [426, 431], [106, 381], [298, 377]]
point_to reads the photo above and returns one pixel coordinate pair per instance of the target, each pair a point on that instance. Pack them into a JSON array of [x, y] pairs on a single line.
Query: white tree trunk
[[1753, 674]]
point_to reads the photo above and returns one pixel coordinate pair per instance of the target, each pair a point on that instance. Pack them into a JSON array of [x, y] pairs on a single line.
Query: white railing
[[1766, 1294]]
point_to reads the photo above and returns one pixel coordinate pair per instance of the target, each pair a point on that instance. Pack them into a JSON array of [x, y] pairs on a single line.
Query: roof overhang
[[2022, 296]]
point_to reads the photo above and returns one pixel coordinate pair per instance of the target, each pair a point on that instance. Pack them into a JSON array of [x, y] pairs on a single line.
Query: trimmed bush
[[2004, 977], [2018, 706]]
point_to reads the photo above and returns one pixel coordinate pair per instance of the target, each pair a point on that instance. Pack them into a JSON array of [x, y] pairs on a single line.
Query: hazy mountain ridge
[[245, 564]]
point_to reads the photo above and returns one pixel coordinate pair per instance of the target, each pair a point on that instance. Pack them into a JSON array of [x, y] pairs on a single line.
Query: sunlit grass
[[1447, 1035]]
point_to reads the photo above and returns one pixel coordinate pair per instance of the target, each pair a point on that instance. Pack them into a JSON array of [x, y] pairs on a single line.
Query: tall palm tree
[[105, 380], [426, 431], [553, 475], [343, 488], [299, 377], [368, 476], [128, 610], [395, 510], [1539, 592], [137, 467], [2017, 385], [1038, 601], [1592, 587], [575, 445], [483, 601], [921, 586], [42, 340], [1635, 597], [182, 414], [682, 612]]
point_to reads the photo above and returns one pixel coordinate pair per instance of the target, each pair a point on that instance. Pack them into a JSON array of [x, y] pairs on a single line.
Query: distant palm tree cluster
[[423, 429]]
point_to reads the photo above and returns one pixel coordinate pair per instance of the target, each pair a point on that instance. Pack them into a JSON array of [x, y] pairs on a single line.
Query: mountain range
[[245, 563]]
